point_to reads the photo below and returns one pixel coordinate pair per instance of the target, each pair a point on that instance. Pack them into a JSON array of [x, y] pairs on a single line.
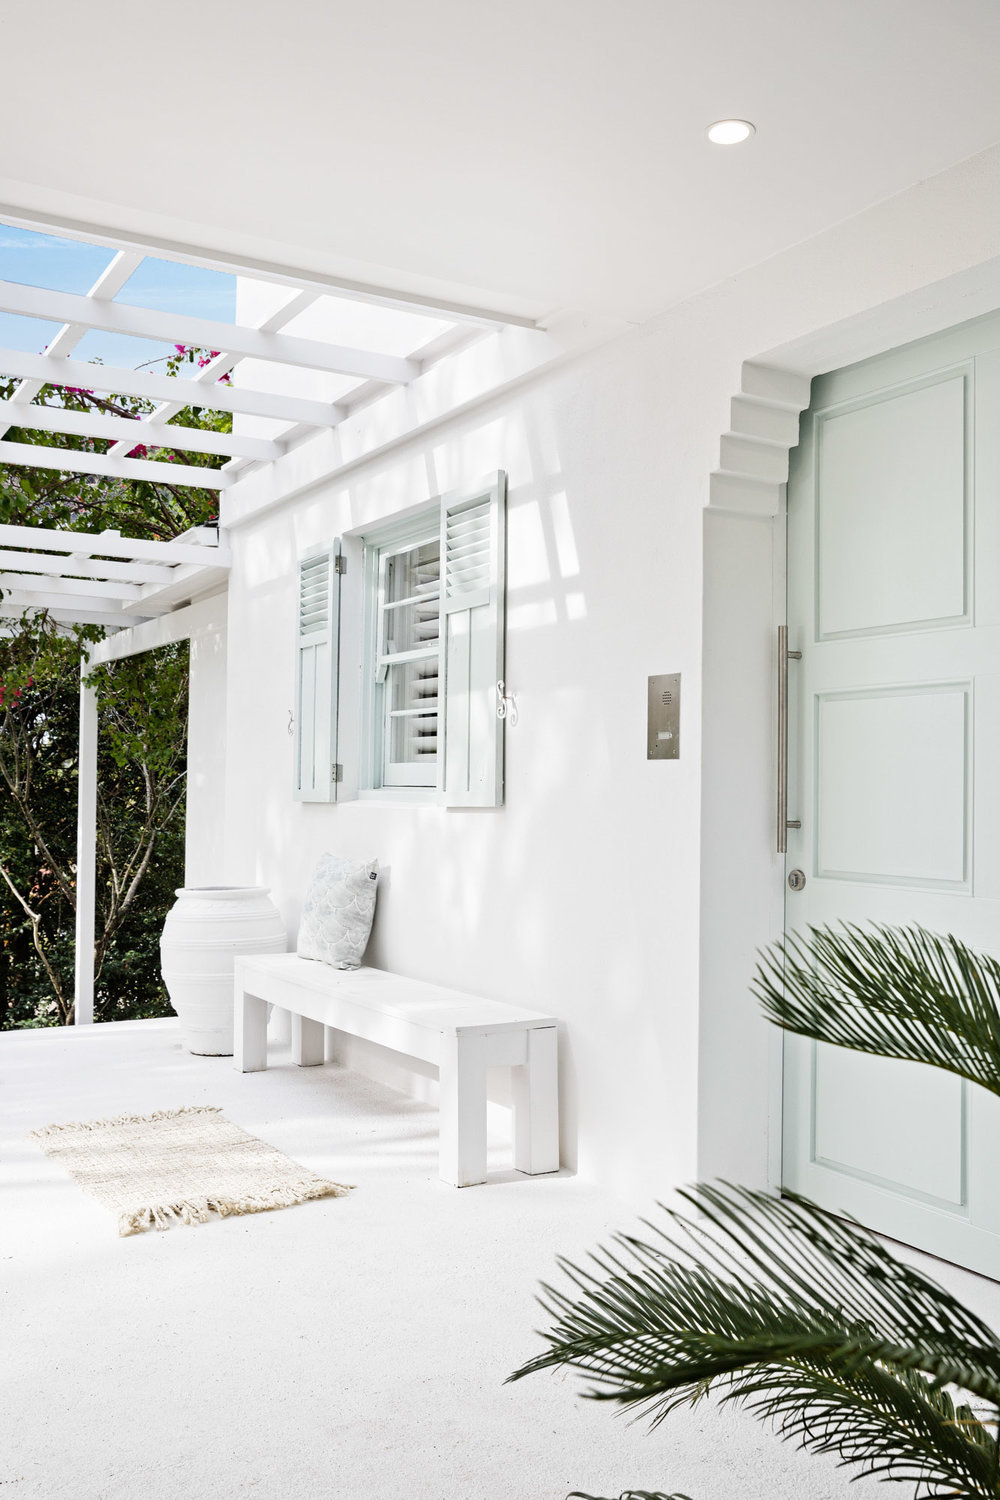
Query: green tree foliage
[[141, 762], [143, 724], [80, 502]]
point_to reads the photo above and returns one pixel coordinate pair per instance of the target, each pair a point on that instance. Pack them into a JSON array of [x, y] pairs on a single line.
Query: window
[[433, 603]]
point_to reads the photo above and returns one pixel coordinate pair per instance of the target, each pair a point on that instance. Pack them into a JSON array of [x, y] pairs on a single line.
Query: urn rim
[[223, 892]]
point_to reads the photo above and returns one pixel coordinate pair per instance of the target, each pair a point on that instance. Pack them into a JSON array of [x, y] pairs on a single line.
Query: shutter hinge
[[336, 772], [340, 563]]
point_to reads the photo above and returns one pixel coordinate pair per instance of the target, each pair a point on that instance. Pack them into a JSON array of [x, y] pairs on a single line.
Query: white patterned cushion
[[338, 911]]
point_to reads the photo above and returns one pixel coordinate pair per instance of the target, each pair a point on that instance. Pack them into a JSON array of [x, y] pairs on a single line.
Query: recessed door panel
[[891, 779], [896, 1124], [891, 491]]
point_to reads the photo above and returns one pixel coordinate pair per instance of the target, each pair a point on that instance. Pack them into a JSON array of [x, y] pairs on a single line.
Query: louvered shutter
[[317, 641], [472, 641]]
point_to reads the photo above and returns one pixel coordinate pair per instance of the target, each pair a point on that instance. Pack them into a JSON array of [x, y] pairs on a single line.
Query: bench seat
[[461, 1034]]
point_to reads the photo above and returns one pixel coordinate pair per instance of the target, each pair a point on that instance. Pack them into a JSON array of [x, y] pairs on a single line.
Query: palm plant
[[895, 992], [780, 1306]]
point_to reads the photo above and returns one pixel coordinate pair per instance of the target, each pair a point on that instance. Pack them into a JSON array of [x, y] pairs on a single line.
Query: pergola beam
[[133, 431], [205, 333], [80, 544], [55, 370], [63, 589], [51, 566], [265, 270], [80, 611], [71, 461]]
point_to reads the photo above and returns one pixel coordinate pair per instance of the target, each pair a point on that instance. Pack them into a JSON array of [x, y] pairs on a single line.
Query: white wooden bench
[[462, 1034]]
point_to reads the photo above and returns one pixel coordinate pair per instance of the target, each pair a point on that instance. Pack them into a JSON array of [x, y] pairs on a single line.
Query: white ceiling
[[527, 155]]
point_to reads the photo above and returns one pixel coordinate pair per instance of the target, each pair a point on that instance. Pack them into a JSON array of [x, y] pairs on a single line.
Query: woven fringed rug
[[179, 1166]]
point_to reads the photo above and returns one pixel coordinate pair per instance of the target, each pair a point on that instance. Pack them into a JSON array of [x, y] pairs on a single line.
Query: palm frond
[[894, 992], [805, 1319]]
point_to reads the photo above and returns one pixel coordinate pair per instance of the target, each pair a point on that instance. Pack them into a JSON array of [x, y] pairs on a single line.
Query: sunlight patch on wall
[[562, 530], [393, 490], [531, 616], [527, 553], [467, 457]]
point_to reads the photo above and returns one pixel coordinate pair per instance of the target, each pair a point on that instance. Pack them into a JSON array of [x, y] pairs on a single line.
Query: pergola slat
[[205, 333], [55, 370], [108, 284], [224, 363], [132, 431], [69, 461]]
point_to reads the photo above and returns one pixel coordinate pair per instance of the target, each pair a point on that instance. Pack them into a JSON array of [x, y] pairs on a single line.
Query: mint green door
[[894, 761]]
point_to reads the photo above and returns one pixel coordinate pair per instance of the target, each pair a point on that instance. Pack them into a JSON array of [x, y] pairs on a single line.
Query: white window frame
[[379, 545], [467, 706]]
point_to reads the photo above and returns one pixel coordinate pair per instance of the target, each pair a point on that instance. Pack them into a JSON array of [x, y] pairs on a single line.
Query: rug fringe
[[199, 1210], [158, 1114]]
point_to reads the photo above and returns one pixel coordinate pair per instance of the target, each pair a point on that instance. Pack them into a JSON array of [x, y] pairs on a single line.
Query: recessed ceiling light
[[730, 132]]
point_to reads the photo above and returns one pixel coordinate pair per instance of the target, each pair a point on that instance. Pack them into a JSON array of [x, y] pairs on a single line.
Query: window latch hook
[[506, 703]]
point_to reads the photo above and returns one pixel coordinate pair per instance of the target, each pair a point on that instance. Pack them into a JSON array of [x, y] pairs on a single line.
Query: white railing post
[[86, 852]]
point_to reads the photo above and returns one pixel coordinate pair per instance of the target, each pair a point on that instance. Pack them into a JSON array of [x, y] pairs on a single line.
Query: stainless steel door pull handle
[[784, 655]]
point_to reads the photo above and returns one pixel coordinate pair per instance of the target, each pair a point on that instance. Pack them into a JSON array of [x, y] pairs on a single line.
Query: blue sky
[[73, 266]]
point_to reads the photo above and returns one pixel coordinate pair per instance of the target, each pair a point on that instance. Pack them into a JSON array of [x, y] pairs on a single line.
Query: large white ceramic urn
[[205, 929]]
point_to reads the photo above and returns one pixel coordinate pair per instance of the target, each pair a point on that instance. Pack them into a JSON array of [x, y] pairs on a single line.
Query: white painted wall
[[554, 898], [624, 896]]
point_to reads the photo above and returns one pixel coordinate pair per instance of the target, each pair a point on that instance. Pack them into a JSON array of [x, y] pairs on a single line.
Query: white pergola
[[146, 593], [368, 372]]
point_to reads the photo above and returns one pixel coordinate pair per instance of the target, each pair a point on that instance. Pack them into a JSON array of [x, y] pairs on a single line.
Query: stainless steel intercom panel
[[663, 732]]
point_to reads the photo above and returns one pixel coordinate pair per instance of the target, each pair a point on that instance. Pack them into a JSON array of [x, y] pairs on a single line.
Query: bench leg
[[536, 1104], [249, 1033], [307, 1042], [463, 1110]]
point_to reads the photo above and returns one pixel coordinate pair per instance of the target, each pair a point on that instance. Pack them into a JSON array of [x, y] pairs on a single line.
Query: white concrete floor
[[347, 1348]]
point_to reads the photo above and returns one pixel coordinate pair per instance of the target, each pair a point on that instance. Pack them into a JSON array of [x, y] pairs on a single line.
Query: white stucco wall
[[604, 890]]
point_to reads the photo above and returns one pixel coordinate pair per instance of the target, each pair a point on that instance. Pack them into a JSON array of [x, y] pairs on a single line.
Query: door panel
[[893, 472], [874, 819], [894, 734], [894, 1123]]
